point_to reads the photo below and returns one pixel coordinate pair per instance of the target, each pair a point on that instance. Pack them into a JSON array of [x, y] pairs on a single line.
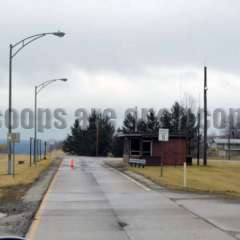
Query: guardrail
[[137, 162]]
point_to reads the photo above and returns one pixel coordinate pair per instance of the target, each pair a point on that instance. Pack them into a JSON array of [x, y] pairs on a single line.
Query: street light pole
[[37, 89], [10, 112], [35, 126], [19, 46]]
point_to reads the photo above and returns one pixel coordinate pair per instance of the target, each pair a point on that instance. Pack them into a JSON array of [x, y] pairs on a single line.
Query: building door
[[147, 148], [135, 147]]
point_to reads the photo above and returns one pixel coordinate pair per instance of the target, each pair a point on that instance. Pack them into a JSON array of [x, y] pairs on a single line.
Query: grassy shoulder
[[219, 176], [24, 174]]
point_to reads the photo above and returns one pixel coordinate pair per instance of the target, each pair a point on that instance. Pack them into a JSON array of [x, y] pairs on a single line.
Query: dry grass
[[218, 177], [24, 174]]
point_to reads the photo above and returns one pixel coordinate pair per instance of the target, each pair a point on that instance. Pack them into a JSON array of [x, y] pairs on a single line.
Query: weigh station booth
[[147, 147]]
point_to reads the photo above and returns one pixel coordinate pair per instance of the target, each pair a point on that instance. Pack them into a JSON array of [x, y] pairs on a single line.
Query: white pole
[[185, 174]]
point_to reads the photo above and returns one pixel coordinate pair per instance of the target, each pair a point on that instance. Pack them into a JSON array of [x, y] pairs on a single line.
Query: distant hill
[[20, 148]]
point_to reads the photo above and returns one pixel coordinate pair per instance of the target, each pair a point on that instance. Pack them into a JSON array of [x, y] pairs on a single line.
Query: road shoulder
[[21, 212]]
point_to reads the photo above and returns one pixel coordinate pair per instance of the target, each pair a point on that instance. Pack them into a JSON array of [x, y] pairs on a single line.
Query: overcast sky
[[121, 53]]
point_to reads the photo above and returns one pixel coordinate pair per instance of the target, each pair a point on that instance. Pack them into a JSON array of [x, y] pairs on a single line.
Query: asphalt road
[[95, 202]]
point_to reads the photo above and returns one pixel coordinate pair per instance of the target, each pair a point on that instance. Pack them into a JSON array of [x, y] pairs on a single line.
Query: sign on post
[[163, 135], [14, 137]]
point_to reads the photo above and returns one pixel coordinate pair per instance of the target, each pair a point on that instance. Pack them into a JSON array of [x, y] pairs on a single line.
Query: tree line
[[100, 137]]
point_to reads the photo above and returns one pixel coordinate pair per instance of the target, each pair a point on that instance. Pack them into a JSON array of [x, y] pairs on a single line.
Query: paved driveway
[[95, 202]]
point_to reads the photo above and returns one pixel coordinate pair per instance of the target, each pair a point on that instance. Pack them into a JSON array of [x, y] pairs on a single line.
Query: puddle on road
[[122, 224]]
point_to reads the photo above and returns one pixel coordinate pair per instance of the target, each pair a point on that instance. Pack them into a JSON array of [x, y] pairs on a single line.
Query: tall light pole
[[38, 88], [14, 49], [205, 118]]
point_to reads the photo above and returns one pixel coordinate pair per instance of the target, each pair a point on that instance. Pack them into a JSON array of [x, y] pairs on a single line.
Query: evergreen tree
[[177, 112], [106, 131], [129, 124], [165, 120], [179, 120], [152, 122], [83, 141], [117, 145], [141, 126], [70, 144], [188, 124]]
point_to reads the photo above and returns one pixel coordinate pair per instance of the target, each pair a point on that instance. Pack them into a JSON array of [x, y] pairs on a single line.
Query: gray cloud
[[124, 35], [124, 40]]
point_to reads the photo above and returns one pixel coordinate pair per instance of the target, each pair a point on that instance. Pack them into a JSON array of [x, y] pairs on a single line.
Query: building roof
[[226, 141], [146, 135]]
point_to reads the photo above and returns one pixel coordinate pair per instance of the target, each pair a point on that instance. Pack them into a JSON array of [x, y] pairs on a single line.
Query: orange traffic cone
[[72, 163]]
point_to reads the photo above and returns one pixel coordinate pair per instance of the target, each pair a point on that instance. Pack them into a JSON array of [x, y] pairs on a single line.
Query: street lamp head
[[59, 34], [64, 79]]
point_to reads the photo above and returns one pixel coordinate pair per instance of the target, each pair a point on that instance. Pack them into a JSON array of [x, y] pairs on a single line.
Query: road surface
[[96, 202]]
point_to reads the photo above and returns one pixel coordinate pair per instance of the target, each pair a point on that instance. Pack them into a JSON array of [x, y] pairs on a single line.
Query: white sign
[[163, 135], [138, 161], [14, 137]]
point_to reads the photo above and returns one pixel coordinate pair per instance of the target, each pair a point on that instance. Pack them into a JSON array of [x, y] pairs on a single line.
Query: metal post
[[161, 167], [45, 150], [205, 118], [13, 162], [37, 150], [97, 137], [40, 149], [161, 175], [30, 152], [35, 127], [185, 174], [10, 112]]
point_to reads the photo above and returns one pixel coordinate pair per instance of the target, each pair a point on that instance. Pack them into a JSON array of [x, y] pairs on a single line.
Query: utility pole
[[198, 137], [97, 136], [205, 119]]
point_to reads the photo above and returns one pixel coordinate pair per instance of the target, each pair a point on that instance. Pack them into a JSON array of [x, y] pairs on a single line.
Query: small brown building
[[146, 146]]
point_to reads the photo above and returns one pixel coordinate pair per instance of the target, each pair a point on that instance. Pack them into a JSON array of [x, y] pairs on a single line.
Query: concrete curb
[[137, 177]]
